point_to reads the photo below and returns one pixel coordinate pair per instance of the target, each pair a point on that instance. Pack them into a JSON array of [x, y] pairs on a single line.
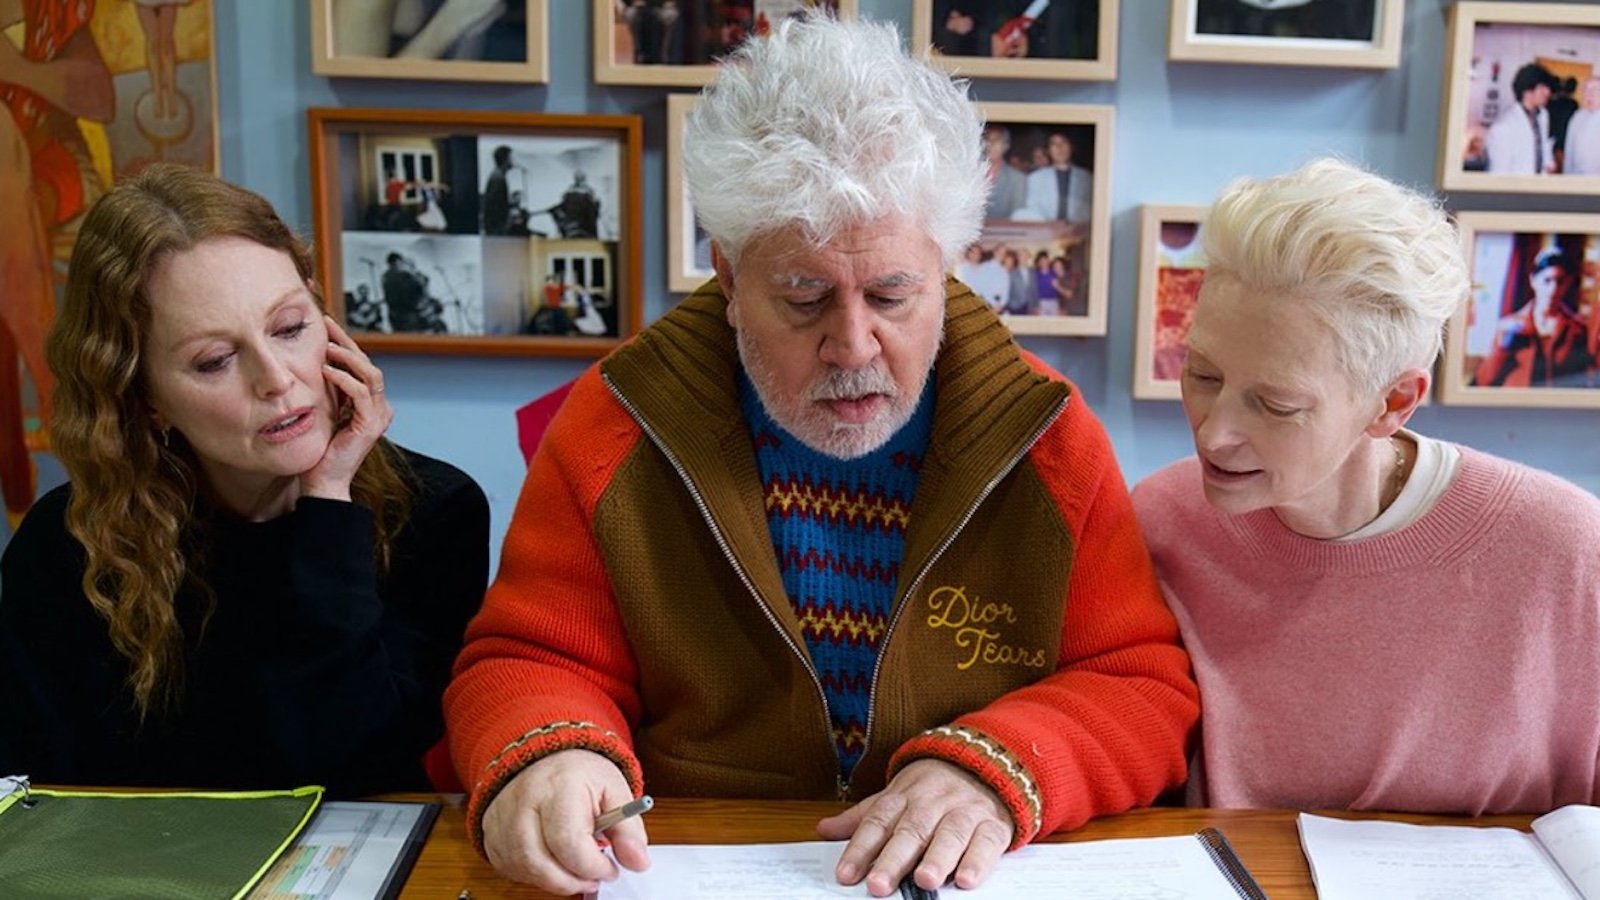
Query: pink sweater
[[1452, 666]]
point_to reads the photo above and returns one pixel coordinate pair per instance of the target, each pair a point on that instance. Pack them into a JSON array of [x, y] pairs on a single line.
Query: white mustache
[[850, 384]]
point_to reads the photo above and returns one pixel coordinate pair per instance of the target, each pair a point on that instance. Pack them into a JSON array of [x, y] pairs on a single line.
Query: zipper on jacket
[[911, 590], [722, 543]]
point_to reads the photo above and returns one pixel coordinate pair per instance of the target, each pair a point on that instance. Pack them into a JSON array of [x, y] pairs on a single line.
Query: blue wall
[[1182, 130]]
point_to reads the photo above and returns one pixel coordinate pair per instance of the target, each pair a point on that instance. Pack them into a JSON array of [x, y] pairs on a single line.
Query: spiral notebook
[[1201, 866]]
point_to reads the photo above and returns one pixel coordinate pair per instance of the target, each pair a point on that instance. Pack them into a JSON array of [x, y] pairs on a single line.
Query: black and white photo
[[458, 232]]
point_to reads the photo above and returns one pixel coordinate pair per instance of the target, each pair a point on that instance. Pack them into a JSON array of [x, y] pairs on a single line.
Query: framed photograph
[[1530, 336], [143, 89], [1171, 267], [677, 42], [475, 232], [445, 40], [1054, 39], [1042, 257], [1522, 99], [1357, 34], [688, 245]]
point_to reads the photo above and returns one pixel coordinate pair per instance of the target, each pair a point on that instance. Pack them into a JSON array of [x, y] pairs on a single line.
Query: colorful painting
[[1171, 269], [90, 91]]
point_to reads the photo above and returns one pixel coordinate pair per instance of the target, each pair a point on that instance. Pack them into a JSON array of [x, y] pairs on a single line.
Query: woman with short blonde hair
[[1377, 619]]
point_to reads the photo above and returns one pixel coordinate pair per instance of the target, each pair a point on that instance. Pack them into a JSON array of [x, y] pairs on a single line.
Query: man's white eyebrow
[[794, 281], [896, 280]]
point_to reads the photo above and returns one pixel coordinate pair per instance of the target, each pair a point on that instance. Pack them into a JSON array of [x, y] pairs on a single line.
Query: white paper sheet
[[1571, 835], [1171, 868], [1364, 859]]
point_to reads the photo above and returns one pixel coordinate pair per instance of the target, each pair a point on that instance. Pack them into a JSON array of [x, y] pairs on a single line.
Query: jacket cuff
[[989, 762], [534, 746]]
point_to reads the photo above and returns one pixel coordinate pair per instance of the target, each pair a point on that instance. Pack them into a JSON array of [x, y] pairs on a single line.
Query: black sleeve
[[437, 579], [58, 674], [353, 694], [311, 669]]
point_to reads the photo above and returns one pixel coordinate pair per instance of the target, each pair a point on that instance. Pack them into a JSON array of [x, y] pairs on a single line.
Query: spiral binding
[[1221, 853], [910, 891]]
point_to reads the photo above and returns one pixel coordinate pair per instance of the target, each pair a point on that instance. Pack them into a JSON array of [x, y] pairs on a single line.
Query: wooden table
[[1266, 840]]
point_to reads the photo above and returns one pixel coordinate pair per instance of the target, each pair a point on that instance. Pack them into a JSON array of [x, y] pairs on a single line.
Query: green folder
[[175, 846]]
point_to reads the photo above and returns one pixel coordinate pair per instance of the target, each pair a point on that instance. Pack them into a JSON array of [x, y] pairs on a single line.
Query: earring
[[166, 437]]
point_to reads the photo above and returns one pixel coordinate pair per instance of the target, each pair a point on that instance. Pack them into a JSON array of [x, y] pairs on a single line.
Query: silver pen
[[612, 816]]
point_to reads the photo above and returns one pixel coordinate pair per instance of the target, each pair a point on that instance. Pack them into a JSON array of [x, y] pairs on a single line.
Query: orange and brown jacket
[[639, 611]]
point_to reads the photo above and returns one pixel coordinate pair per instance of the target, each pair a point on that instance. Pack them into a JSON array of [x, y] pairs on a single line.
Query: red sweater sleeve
[[547, 665], [1108, 729]]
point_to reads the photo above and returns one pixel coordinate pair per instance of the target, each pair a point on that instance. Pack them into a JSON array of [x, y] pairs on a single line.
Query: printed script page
[[1360, 860], [1571, 835], [1170, 868]]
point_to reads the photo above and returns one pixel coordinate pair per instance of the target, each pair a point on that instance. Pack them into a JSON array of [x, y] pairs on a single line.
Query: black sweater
[[311, 670]]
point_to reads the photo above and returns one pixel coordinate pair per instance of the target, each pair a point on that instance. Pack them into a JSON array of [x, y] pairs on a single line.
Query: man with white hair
[[1583, 132], [824, 531]]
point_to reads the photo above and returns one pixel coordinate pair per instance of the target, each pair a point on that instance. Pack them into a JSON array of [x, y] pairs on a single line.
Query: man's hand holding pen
[[542, 826], [611, 817]]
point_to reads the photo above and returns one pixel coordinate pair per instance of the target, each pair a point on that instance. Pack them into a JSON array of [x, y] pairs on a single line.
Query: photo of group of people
[[1039, 172], [693, 32], [1029, 274], [1032, 257], [480, 234], [1533, 100], [1534, 320]]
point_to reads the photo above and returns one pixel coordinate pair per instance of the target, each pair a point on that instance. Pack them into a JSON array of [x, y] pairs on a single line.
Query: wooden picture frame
[[680, 61], [443, 231], [1031, 213], [510, 46], [688, 249], [1333, 34], [1492, 49], [1171, 268], [1069, 40], [1530, 335]]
